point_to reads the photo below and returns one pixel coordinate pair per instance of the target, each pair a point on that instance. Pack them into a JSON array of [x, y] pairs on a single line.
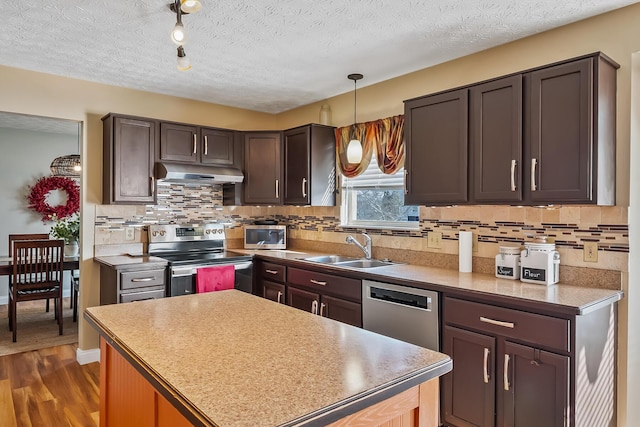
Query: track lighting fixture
[[178, 34], [354, 148]]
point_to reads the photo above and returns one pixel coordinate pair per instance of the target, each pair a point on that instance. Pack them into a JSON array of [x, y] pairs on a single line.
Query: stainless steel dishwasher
[[401, 312]]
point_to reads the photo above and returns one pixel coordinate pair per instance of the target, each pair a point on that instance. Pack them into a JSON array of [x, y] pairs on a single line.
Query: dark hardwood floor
[[48, 388]]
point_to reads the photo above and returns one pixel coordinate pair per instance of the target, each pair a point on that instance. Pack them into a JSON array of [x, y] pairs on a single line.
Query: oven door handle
[[182, 271], [190, 271]]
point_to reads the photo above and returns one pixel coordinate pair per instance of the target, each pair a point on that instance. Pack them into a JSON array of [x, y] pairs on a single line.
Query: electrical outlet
[[474, 243], [590, 253], [129, 233], [434, 239]]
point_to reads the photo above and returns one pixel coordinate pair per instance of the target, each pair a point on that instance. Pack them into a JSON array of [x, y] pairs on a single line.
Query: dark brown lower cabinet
[[469, 390], [514, 367], [326, 306], [273, 291]]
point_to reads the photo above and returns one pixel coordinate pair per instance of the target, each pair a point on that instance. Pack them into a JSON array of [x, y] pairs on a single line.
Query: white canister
[[540, 263], [508, 262]]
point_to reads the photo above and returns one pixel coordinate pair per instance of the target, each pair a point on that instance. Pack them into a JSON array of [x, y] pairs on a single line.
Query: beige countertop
[[124, 261], [571, 299], [241, 360]]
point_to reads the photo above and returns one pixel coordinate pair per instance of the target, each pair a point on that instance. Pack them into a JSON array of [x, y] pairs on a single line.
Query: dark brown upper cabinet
[[128, 159], [542, 136], [437, 139], [570, 134], [262, 168], [495, 141], [309, 166], [185, 143]]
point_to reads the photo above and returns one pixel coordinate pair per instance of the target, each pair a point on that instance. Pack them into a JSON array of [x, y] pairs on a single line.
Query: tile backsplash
[[569, 226]]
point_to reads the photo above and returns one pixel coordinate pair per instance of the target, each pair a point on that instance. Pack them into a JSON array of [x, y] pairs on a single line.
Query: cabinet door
[[296, 166], [341, 310], [560, 133], [179, 143], [217, 147], [304, 300], [129, 145], [535, 386], [273, 291], [436, 136], [496, 140], [263, 167], [468, 391]]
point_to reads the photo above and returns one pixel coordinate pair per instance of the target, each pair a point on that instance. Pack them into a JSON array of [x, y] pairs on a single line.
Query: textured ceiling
[[39, 123], [266, 55]]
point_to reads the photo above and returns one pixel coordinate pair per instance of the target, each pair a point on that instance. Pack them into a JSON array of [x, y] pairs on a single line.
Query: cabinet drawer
[[326, 283], [141, 279], [141, 296], [532, 328], [273, 272]]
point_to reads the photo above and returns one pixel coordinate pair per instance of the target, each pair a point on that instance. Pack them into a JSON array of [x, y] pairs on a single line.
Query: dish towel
[[210, 279]]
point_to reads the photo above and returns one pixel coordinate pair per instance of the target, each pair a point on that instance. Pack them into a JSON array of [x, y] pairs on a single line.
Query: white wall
[[27, 156]]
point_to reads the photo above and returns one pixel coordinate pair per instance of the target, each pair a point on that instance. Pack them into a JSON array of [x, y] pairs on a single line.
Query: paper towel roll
[[465, 248]]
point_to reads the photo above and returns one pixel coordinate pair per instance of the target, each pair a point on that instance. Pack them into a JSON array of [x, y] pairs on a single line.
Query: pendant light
[[178, 35], [354, 148], [190, 6]]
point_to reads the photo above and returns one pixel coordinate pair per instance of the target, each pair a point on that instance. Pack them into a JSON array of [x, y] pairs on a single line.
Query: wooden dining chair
[[37, 274], [23, 236]]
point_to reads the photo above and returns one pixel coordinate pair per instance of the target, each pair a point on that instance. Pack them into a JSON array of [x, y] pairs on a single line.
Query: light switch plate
[[590, 253], [129, 233], [434, 239]]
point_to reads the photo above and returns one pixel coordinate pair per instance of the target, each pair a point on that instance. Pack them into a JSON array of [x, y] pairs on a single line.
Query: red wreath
[[38, 197]]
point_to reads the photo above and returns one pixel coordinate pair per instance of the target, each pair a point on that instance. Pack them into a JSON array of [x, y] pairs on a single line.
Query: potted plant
[[68, 229]]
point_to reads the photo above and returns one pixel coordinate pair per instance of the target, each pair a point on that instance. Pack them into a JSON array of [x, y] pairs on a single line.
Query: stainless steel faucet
[[366, 248]]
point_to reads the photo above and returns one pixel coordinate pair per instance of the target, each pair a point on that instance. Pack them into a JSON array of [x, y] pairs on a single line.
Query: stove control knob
[[162, 233], [207, 231], [154, 233]]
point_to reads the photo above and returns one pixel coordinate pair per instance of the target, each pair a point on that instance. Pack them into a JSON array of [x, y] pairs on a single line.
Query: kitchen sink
[[331, 259], [347, 261], [365, 263]]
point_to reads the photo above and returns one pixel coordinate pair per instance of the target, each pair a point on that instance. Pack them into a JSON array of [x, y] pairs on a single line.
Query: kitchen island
[[230, 359]]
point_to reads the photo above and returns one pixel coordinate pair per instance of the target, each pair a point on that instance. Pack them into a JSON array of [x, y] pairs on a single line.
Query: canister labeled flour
[[540, 263]]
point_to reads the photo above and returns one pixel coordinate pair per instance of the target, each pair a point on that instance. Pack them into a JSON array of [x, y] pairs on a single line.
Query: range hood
[[175, 172]]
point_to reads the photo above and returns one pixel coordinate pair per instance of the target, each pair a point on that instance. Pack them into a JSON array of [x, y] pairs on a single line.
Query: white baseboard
[[4, 300], [88, 356]]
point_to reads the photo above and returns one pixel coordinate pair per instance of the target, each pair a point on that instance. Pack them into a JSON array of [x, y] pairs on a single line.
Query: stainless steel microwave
[[265, 237]]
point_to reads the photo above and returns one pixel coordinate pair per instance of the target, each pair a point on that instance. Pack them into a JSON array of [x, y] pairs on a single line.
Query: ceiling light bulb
[[190, 6], [183, 62], [178, 36], [354, 151]]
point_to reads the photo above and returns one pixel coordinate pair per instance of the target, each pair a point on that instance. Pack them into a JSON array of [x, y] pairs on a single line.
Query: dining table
[[6, 264]]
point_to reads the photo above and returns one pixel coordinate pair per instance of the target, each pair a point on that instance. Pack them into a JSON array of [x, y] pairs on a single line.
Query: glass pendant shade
[[183, 62], [190, 6], [178, 36], [354, 151]]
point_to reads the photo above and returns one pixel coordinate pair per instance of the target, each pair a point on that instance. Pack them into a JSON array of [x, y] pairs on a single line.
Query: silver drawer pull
[[271, 271], [485, 371], [142, 279], [498, 322], [317, 282], [506, 372]]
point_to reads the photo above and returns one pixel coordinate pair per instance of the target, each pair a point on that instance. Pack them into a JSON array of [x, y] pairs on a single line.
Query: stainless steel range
[[193, 246]]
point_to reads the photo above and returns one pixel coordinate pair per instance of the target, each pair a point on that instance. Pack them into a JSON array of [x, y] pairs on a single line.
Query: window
[[374, 199]]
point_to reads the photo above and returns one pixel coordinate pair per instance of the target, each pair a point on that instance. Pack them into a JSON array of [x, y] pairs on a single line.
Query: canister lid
[[542, 247], [510, 250]]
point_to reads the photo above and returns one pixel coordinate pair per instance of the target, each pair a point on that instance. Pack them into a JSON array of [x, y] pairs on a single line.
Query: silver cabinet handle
[[513, 175], [317, 282], [506, 372], [271, 271], [277, 188], [206, 145], [153, 185], [195, 143], [485, 371], [304, 187], [498, 322], [314, 307], [279, 296], [142, 279], [322, 306], [534, 162]]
